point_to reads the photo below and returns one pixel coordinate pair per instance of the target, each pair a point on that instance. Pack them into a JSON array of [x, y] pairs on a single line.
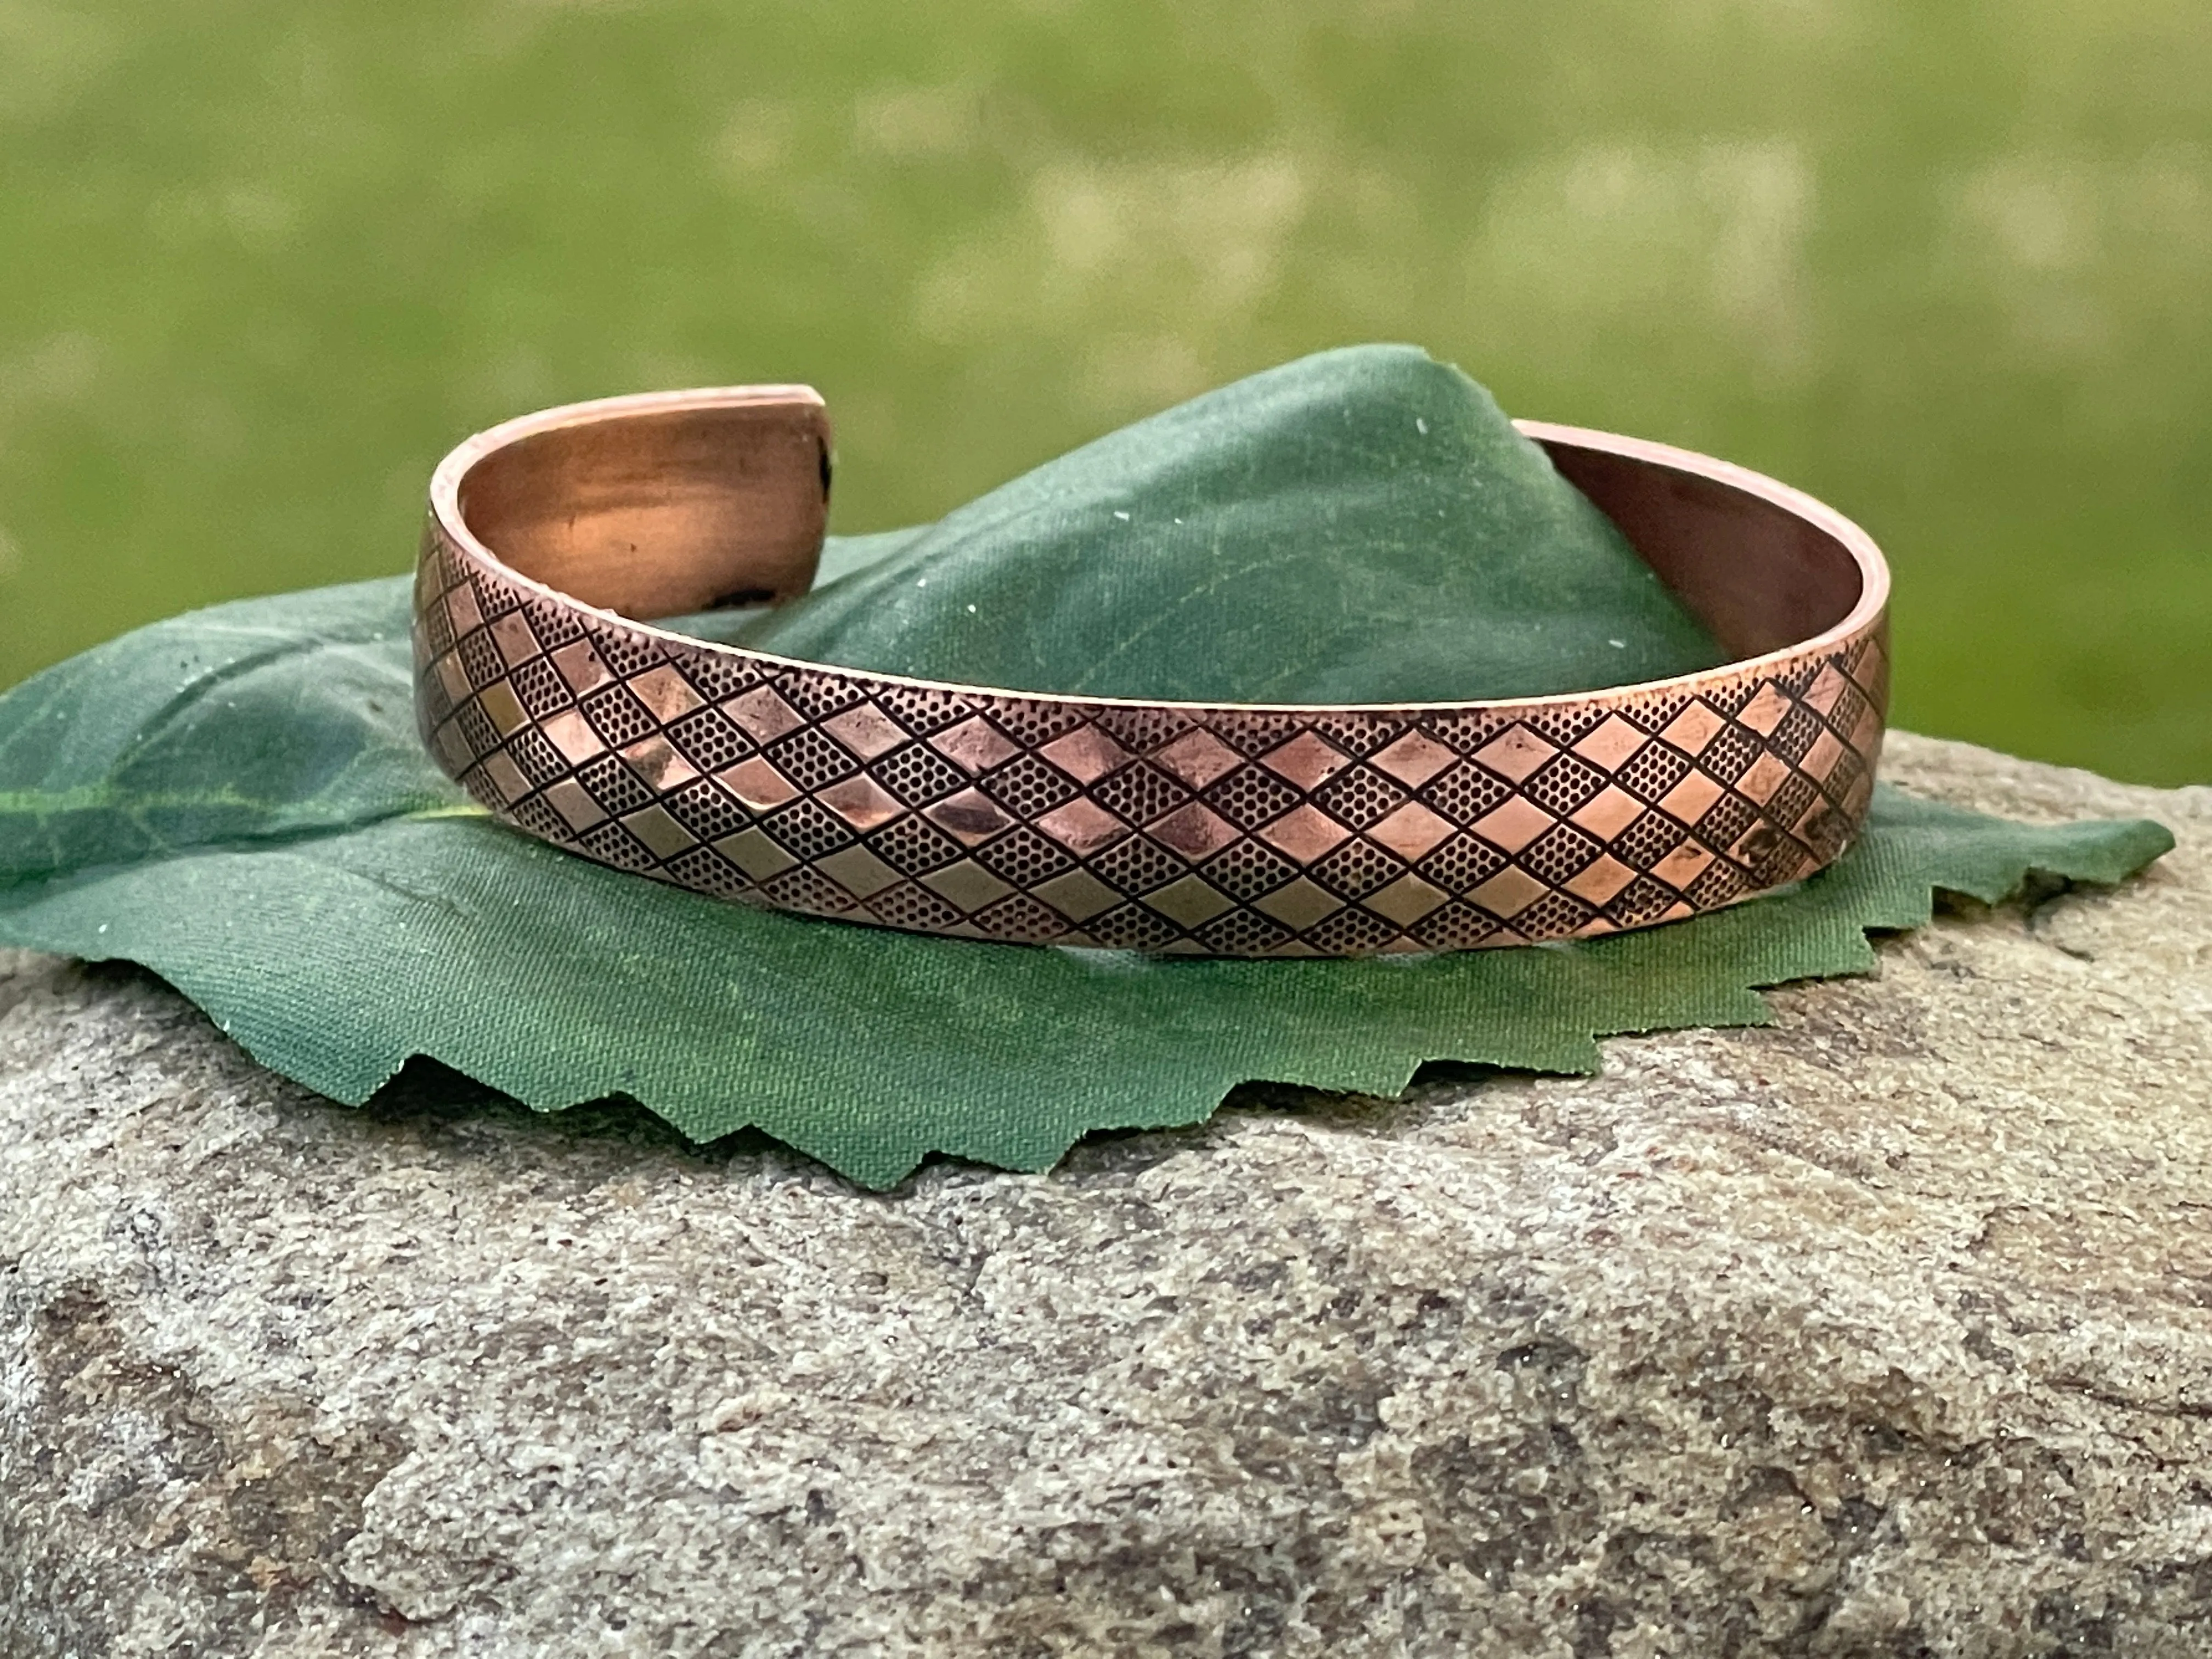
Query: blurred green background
[[1947, 264]]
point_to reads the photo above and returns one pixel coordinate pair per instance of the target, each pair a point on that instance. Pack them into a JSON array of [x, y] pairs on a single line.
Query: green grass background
[[1946, 263]]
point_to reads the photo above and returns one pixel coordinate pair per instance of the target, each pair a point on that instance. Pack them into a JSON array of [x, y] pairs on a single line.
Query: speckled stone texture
[[1884, 1331]]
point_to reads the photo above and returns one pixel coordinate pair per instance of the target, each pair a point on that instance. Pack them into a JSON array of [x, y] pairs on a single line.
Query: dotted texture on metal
[[1247, 832]]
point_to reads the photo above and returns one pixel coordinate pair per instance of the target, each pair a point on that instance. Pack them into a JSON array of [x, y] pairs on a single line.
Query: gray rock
[[1885, 1330]]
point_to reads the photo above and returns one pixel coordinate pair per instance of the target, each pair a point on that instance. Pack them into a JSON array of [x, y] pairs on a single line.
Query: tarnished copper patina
[[1244, 830]]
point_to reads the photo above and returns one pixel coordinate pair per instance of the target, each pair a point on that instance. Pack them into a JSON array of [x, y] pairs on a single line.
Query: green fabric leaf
[[1363, 526], [237, 799]]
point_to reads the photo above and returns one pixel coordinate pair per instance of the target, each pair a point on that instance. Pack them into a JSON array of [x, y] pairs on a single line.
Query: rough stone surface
[[1884, 1331]]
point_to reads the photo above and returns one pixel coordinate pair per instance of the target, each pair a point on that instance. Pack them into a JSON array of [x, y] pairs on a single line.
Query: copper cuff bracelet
[[1239, 830]]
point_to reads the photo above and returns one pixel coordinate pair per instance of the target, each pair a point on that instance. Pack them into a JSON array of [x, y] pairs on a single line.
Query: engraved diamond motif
[[1023, 857], [1765, 711], [1694, 728], [1133, 927], [1190, 901], [1198, 757], [862, 802], [1729, 753], [1413, 759], [976, 745], [1251, 797], [703, 807], [540, 688], [1508, 892], [1600, 880], [1027, 786], [1613, 742], [1086, 754], [663, 836], [614, 785], [810, 759], [1516, 752], [1137, 866], [917, 776], [967, 885], [711, 740], [1078, 895], [1468, 792], [1247, 870], [1514, 824], [1140, 792], [758, 785], [666, 692], [1082, 826], [807, 889], [615, 714], [1563, 784], [914, 847], [1194, 831], [1352, 932], [1305, 832], [1243, 933], [658, 765], [1454, 927], [1022, 918], [1689, 799], [1411, 831], [1608, 812], [912, 907], [463, 616], [573, 736], [866, 729], [1357, 869], [1231, 831], [1683, 866], [1462, 863], [1763, 777], [580, 666], [611, 843], [858, 872], [969, 816], [1359, 796], [1406, 900], [1305, 760], [765, 715], [1561, 854], [534, 753], [1300, 903], [808, 828]]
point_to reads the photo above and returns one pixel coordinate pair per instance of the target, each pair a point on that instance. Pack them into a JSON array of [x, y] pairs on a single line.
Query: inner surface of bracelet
[[1758, 576], [663, 506]]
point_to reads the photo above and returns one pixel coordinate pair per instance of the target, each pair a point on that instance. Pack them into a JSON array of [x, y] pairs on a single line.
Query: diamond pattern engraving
[[1198, 757], [1251, 797], [1138, 865], [976, 745], [1028, 788], [1227, 831], [1083, 826], [917, 776], [1248, 870], [1359, 796], [970, 817], [1024, 858], [914, 847], [1357, 869], [1305, 761]]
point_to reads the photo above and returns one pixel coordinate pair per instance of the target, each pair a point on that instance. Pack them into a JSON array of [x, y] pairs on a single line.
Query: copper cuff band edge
[[1234, 830]]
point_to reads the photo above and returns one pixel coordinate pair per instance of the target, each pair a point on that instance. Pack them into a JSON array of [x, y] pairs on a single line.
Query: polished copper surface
[[1222, 830]]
